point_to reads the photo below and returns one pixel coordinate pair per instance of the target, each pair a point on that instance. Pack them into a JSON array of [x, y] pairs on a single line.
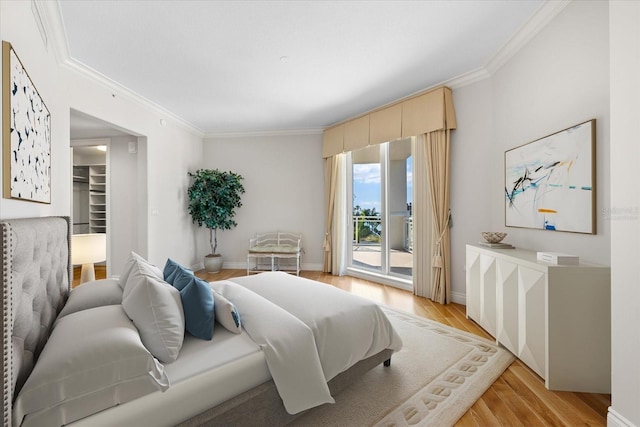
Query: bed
[[270, 371]]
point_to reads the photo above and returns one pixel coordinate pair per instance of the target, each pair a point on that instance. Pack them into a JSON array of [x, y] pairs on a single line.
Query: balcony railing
[[408, 233], [374, 223]]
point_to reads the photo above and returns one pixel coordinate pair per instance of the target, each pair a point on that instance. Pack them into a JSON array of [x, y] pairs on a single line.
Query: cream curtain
[[330, 181], [422, 227], [438, 155], [340, 219], [433, 116], [335, 216]]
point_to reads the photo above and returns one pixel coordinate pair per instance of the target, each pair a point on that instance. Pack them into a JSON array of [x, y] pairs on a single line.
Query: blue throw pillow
[[171, 269], [197, 303], [181, 278]]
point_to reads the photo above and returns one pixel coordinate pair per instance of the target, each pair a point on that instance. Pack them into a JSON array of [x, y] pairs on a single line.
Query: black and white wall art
[[26, 134]]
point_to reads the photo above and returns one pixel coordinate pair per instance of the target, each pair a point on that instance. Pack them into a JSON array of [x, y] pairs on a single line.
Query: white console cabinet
[[555, 318]]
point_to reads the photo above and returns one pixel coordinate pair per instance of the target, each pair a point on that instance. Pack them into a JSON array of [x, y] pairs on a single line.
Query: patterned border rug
[[436, 377]]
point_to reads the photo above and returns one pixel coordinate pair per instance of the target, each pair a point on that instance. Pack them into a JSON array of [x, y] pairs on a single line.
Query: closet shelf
[[98, 199]]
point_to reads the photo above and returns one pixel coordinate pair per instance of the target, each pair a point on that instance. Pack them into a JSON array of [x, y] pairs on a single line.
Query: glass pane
[[400, 200], [367, 200]]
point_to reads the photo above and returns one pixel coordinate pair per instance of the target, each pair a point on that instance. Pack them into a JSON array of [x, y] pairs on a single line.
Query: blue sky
[[366, 184]]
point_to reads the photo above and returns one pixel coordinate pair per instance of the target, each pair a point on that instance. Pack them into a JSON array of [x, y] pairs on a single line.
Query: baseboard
[[311, 267], [614, 419], [243, 266], [197, 267], [459, 298], [234, 266]]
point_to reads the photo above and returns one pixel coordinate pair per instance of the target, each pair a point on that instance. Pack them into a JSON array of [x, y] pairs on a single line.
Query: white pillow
[[93, 360], [93, 294], [226, 313], [135, 260], [155, 308]]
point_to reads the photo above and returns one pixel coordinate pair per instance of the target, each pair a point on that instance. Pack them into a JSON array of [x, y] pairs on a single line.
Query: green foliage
[[367, 225], [213, 198]]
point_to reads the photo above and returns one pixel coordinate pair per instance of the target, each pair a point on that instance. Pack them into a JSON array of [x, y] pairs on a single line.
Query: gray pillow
[[136, 260], [94, 359], [93, 294], [155, 308]]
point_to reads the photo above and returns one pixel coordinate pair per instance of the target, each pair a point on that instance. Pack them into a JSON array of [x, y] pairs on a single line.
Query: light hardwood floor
[[517, 398]]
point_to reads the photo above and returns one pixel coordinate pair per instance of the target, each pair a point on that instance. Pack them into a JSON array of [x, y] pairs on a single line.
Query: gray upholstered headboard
[[35, 272]]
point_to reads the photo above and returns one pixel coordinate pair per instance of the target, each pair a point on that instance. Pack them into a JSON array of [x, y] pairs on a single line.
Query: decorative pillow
[[171, 269], [198, 304], [93, 294], [227, 313], [141, 265], [93, 360], [182, 278], [134, 259], [155, 307], [283, 249]]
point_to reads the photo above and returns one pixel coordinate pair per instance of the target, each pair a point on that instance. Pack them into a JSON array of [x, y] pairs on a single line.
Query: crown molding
[[468, 78], [549, 10], [545, 14], [284, 132], [119, 90], [54, 26]]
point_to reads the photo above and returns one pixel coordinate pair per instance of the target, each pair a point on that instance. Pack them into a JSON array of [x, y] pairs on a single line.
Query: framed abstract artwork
[[26, 134], [550, 182]]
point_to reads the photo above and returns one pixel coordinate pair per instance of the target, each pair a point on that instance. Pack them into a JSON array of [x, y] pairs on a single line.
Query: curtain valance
[[423, 113]]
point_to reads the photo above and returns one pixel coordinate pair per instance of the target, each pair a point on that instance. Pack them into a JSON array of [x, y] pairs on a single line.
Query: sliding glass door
[[381, 222]]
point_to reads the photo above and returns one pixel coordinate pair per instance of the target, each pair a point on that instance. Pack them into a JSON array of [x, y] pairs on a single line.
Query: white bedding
[[347, 328], [199, 356], [289, 347], [326, 330], [299, 332], [205, 374]]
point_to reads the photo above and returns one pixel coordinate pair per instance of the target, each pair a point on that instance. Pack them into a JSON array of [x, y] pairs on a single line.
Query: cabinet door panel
[[508, 305], [532, 307], [473, 285], [488, 293]]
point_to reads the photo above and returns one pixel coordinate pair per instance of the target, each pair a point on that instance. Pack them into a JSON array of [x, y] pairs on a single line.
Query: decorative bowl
[[493, 236]]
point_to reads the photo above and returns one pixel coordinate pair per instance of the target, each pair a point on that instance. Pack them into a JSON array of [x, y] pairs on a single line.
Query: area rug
[[436, 377]]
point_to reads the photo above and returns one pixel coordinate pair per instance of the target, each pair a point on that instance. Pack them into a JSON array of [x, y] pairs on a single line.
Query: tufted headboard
[[35, 272]]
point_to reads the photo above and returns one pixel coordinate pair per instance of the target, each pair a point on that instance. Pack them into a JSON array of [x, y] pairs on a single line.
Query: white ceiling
[[253, 66]]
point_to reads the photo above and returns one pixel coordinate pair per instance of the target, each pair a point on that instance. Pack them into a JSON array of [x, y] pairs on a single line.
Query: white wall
[[170, 150], [17, 26], [625, 213], [559, 79], [123, 174], [284, 184], [472, 166]]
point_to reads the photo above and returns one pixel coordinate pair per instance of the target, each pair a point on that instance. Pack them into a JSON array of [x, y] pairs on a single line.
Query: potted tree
[[213, 198]]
